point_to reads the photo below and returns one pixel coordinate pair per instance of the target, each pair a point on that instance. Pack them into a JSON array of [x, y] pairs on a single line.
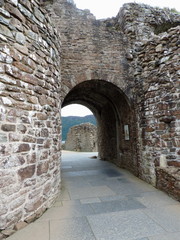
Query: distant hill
[[68, 122]]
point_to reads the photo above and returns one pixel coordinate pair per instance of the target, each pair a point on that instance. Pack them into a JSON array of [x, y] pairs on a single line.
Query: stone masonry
[[30, 84], [82, 138], [126, 70]]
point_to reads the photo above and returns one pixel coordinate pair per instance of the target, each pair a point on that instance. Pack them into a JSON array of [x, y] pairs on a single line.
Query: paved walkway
[[101, 202]]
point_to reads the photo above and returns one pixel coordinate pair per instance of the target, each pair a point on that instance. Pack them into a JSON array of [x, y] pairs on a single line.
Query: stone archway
[[114, 113]]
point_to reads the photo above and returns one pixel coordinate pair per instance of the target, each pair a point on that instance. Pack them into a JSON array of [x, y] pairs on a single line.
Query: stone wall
[[91, 49], [152, 54], [29, 111], [110, 50], [168, 180], [82, 138], [158, 78]]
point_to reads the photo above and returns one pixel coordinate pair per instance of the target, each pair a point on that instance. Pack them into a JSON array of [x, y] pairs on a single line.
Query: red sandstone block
[[26, 172]]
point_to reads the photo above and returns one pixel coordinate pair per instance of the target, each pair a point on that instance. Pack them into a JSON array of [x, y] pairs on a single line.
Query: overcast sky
[[104, 9], [75, 110], [109, 8]]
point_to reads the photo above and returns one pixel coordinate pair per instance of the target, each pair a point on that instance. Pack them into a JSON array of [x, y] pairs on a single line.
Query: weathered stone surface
[[20, 225], [168, 180], [1, 3], [26, 172], [22, 128], [8, 127], [3, 138], [4, 12], [42, 116], [8, 232], [1, 235], [23, 67], [42, 168], [4, 58], [31, 218], [15, 11], [13, 137], [20, 38], [82, 138], [21, 49], [5, 31], [14, 2], [16, 23], [32, 206], [17, 203], [38, 14], [23, 147]]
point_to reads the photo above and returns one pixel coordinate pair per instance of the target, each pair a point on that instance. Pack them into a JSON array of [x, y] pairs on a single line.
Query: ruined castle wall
[[91, 49], [82, 138], [158, 59], [152, 54], [29, 111], [110, 50]]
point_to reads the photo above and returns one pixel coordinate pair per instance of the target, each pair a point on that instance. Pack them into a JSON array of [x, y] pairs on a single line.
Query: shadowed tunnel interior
[[113, 112]]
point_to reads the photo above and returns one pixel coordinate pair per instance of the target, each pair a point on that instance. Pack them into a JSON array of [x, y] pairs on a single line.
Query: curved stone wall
[[30, 85]]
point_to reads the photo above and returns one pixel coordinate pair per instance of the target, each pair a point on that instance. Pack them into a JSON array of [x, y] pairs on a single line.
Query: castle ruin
[[82, 138]]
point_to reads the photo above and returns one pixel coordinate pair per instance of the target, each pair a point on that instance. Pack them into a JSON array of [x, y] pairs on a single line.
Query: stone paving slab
[[168, 217], [142, 239], [126, 225], [67, 211], [77, 182], [167, 236], [129, 188], [105, 205], [71, 202], [90, 200], [88, 192], [82, 173], [103, 181], [155, 199], [114, 198], [34, 231], [116, 206], [64, 195], [71, 229]]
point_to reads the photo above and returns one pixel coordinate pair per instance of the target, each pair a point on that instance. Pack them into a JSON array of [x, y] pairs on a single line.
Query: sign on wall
[[126, 132]]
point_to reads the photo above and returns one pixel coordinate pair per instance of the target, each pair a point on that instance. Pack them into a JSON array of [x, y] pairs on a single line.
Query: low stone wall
[[168, 180], [82, 138]]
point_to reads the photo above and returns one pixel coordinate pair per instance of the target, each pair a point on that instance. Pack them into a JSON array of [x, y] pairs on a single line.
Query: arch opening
[[116, 125], [79, 131]]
